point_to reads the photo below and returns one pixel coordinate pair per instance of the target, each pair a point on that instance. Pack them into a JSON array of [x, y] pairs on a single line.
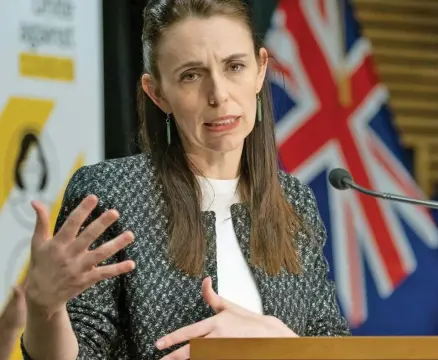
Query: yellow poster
[[51, 114]]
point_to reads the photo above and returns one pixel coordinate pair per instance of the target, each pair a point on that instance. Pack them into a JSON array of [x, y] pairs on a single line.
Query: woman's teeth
[[221, 123]]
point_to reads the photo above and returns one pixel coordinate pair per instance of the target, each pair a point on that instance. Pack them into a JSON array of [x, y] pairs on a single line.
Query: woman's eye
[[189, 77], [236, 67]]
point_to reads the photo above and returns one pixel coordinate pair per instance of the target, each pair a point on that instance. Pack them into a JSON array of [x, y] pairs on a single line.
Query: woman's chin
[[230, 142], [226, 145]]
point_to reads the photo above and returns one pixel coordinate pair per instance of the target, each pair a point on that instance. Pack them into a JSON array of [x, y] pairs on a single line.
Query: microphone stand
[[388, 196]]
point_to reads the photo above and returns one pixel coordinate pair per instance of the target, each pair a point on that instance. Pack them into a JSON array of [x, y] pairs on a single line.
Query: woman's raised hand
[[62, 267]]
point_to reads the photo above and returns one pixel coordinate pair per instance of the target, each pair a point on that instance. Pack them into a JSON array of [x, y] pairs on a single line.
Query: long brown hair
[[273, 221]]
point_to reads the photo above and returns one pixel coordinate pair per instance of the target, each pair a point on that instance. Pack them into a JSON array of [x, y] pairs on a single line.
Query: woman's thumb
[[214, 300], [42, 224]]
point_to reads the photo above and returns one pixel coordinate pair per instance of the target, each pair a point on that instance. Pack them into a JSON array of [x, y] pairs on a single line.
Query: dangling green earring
[[259, 109], [169, 139]]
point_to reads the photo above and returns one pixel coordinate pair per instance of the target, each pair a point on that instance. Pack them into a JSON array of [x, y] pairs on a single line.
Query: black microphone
[[341, 179]]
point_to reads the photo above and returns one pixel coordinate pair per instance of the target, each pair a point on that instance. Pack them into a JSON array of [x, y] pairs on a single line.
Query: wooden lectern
[[316, 348]]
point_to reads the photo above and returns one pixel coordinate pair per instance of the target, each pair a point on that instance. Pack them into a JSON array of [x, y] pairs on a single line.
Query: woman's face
[[210, 78]]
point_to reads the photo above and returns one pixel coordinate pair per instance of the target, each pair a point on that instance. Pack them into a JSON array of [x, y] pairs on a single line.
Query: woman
[[225, 244]]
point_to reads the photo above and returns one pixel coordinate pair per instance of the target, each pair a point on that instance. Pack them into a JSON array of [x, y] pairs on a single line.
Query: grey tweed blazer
[[121, 318]]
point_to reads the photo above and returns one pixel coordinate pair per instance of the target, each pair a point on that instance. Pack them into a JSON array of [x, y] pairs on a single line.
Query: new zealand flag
[[331, 112]]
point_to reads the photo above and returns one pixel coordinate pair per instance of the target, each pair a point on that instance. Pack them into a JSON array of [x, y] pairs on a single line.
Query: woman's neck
[[215, 165]]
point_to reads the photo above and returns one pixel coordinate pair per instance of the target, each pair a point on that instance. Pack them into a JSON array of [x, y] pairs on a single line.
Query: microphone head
[[339, 178]]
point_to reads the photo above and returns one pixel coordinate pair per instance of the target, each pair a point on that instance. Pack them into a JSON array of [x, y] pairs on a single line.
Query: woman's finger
[[70, 229], [201, 328], [183, 353], [100, 273], [12, 320], [108, 249], [92, 232]]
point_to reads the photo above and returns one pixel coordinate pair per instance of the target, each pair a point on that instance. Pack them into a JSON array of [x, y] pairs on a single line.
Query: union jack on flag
[[330, 111]]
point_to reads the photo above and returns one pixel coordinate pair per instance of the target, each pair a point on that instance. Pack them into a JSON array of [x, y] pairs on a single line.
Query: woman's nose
[[218, 93]]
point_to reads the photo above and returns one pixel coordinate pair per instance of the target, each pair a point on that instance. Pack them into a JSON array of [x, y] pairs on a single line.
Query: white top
[[235, 279]]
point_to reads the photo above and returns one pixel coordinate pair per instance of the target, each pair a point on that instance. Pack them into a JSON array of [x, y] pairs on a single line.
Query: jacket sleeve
[[94, 314], [325, 318]]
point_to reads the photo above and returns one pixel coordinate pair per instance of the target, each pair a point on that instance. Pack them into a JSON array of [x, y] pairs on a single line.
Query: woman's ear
[[150, 87], [263, 65]]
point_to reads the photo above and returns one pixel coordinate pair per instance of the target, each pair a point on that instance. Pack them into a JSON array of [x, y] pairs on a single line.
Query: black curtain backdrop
[[122, 26]]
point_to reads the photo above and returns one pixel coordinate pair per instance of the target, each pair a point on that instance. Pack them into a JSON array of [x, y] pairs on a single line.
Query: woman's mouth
[[223, 124]]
